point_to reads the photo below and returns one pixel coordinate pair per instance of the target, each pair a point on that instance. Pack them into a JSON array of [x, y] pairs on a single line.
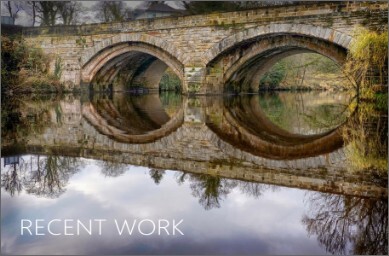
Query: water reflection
[[112, 169], [45, 176], [341, 224], [156, 175], [231, 137], [348, 225], [311, 112], [236, 161], [366, 138], [138, 119], [210, 190], [243, 123], [48, 176]]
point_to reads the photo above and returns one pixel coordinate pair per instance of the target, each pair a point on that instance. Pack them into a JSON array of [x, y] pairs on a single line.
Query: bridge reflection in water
[[231, 137], [216, 144]]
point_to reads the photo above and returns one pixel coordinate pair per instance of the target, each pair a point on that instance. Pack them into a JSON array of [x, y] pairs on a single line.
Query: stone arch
[[89, 53], [109, 51], [255, 45], [132, 67], [265, 66], [263, 55], [327, 34]]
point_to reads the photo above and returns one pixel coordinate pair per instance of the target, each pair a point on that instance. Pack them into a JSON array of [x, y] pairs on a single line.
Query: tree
[[51, 175], [50, 13], [111, 11], [273, 77], [255, 189], [69, 11], [200, 7], [210, 189], [33, 10], [349, 225], [13, 7], [41, 176], [11, 181], [112, 169], [18, 62], [47, 12], [156, 175]]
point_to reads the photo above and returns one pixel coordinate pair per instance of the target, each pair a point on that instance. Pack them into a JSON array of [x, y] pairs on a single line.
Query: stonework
[[191, 45]]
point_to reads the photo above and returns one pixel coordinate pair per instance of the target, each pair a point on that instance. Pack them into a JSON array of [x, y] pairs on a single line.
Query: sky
[[24, 19]]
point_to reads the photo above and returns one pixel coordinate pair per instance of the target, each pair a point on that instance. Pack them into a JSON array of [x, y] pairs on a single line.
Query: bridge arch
[[243, 57], [143, 54], [323, 33], [248, 70]]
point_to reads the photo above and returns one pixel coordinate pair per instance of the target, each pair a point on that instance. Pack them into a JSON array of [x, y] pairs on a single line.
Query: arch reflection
[[139, 119], [242, 122]]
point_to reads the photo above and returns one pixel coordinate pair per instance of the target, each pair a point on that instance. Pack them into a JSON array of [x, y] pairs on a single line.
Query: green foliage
[[170, 99], [369, 46], [366, 138], [381, 101], [10, 62], [23, 67], [273, 77], [170, 82], [81, 41], [367, 60]]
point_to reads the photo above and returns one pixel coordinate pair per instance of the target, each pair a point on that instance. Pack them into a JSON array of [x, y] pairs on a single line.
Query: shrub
[[273, 77], [170, 82], [24, 68], [367, 60]]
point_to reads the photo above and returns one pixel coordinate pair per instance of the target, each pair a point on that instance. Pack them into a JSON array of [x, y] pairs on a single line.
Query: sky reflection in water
[[270, 223], [220, 215]]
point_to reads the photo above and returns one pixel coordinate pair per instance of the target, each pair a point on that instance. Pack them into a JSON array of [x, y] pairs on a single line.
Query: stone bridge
[[205, 51], [198, 136]]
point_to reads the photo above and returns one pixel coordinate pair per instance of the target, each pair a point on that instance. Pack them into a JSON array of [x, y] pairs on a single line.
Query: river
[[269, 173]]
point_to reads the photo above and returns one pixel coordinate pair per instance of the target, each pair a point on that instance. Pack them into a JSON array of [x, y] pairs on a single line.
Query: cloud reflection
[[269, 223]]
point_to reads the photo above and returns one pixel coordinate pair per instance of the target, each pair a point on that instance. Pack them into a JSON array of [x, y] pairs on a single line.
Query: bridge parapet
[[361, 10]]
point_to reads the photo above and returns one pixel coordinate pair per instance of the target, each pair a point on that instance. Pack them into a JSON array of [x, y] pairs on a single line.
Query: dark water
[[275, 173]]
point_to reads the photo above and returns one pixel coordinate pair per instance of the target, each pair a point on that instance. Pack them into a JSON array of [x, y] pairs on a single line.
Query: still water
[[266, 174]]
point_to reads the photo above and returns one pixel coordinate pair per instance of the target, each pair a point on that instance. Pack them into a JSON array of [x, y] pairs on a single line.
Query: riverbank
[[27, 70]]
